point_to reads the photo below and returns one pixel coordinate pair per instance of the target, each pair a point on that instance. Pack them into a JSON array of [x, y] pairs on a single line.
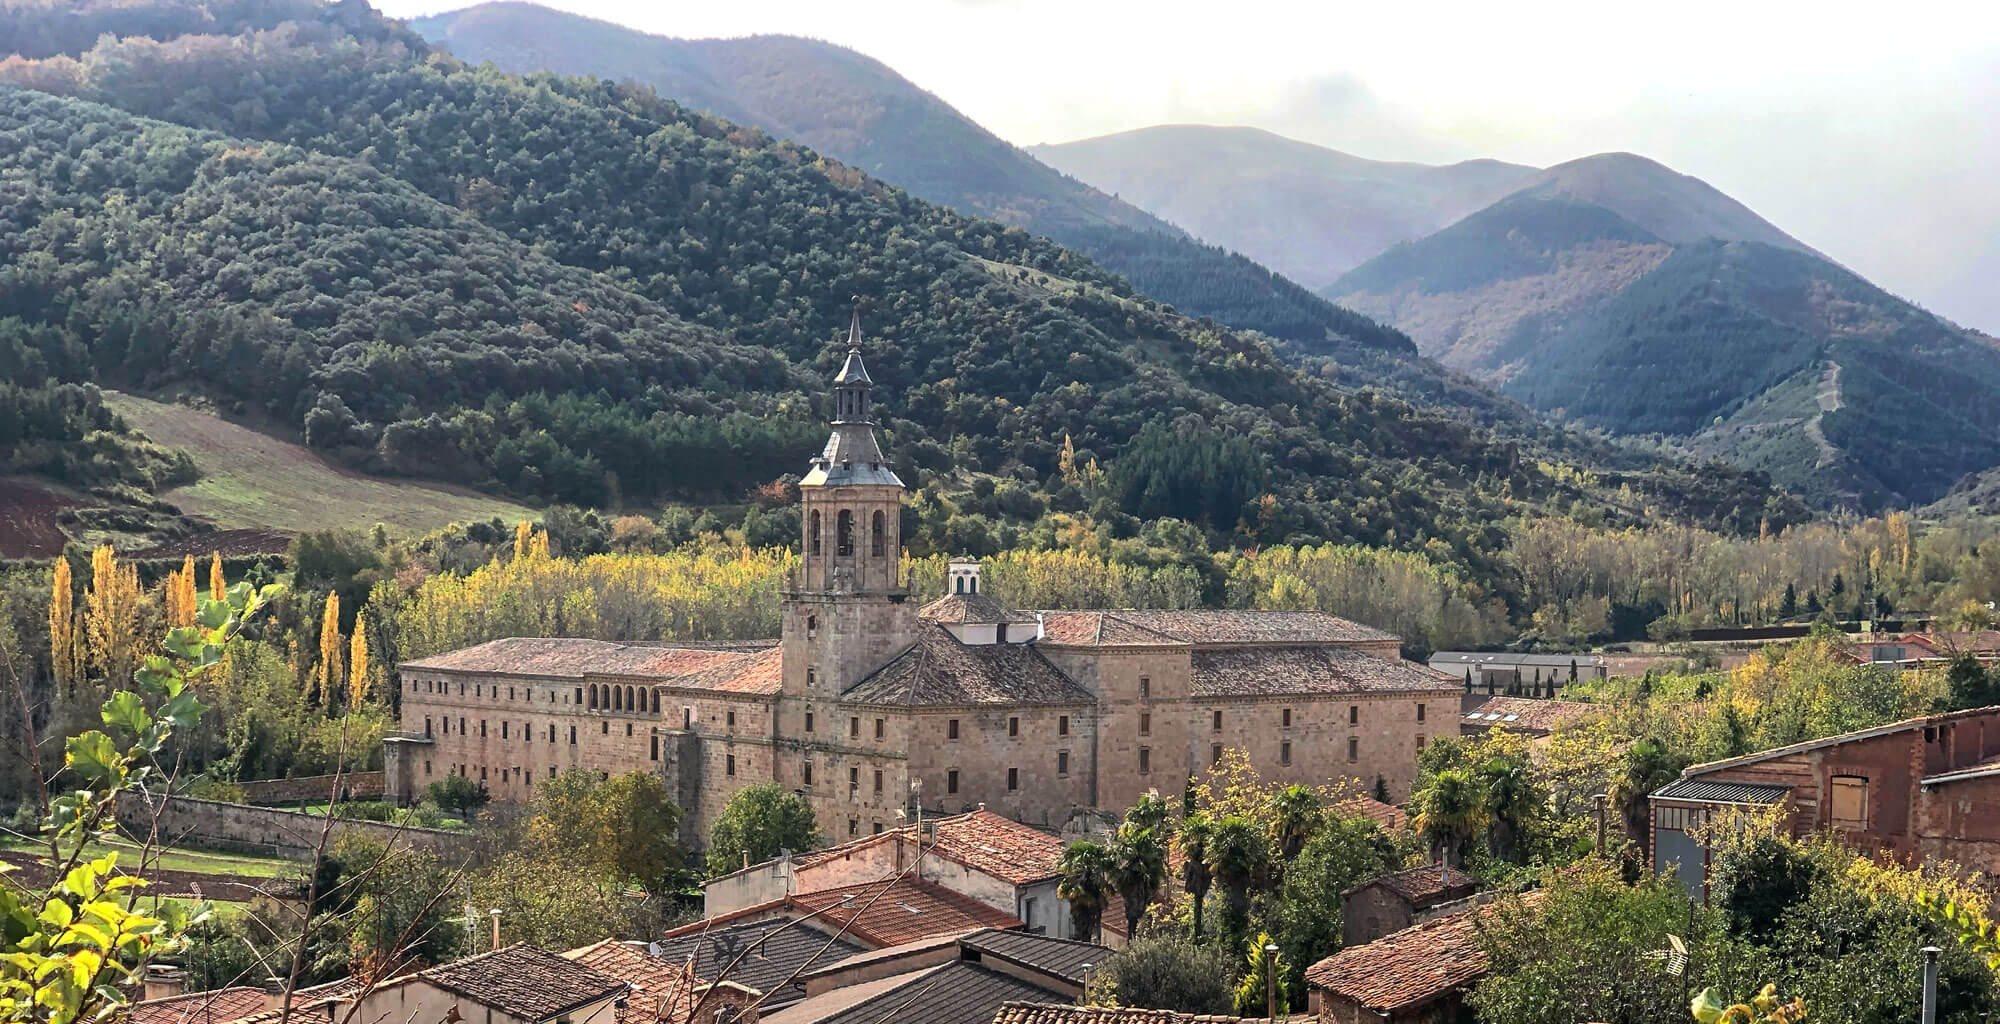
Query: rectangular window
[[503, 730], [579, 695], [878, 728], [527, 732], [853, 827], [877, 828], [427, 727], [552, 732], [812, 678], [1062, 725], [628, 728], [807, 773], [729, 719], [1287, 723], [1145, 687], [1145, 760], [1420, 741], [1013, 727], [478, 691], [854, 728], [1214, 753], [1062, 762], [729, 764], [427, 767], [1218, 719], [604, 727], [878, 782], [1850, 802], [1354, 714], [552, 771], [1353, 749], [1285, 752], [656, 747], [1420, 712], [461, 725], [951, 729], [853, 781], [687, 717], [951, 781], [809, 721], [482, 728], [1145, 723], [572, 735], [510, 693], [1013, 779]]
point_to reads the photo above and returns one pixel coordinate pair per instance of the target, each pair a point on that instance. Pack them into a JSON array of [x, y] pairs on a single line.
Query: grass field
[[253, 481], [173, 860]]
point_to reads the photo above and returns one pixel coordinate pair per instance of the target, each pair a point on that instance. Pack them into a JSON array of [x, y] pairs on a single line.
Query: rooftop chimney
[[163, 981], [274, 992]]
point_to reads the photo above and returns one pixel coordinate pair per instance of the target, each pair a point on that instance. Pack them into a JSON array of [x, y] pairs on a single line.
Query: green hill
[[860, 112], [1623, 315]]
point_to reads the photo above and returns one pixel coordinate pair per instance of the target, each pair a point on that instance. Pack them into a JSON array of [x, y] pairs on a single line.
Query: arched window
[[593, 695], [812, 532], [630, 696], [844, 533], [877, 536], [958, 584]]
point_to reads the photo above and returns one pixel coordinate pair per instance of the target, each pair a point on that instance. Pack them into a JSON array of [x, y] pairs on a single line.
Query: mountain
[[576, 291], [860, 112], [1310, 212], [1632, 298]]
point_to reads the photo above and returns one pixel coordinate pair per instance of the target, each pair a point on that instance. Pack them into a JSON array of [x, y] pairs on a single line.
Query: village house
[[1398, 900], [871, 707], [1923, 789], [1494, 673], [1418, 974], [1904, 651], [1528, 716]]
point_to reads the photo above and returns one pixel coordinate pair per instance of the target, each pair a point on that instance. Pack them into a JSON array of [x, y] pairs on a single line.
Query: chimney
[[274, 992], [163, 981], [496, 927]]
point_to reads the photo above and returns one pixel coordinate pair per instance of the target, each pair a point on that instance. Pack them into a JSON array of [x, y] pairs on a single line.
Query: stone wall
[[1048, 751], [184, 821], [313, 788]]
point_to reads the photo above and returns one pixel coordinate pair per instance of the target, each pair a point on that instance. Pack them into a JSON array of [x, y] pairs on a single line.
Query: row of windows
[[526, 731], [843, 530], [597, 696], [1353, 717], [1013, 727], [527, 777]]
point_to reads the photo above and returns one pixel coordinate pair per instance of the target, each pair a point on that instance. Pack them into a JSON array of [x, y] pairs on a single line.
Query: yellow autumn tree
[[62, 627], [327, 674], [522, 531], [357, 664], [181, 597], [216, 586], [111, 616]]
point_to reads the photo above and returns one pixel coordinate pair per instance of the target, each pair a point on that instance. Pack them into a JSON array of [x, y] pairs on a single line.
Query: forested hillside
[[856, 110], [1624, 315]]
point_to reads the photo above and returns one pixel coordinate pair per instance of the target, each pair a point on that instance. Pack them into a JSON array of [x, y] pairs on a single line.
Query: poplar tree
[[111, 615], [217, 588], [357, 664], [62, 627], [326, 676]]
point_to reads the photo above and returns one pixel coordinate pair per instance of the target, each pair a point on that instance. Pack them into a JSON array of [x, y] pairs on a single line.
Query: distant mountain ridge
[[862, 113], [1310, 212]]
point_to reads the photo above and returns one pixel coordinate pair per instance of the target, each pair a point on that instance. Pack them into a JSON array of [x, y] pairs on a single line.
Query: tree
[[1510, 801], [1166, 972], [1788, 605], [1139, 856], [1297, 814], [1305, 914], [458, 793], [1197, 832], [1648, 766], [627, 826], [111, 615], [357, 664], [63, 654], [758, 822], [1381, 789], [1969, 684], [1087, 868], [1449, 811], [1253, 996], [1238, 855], [326, 674]]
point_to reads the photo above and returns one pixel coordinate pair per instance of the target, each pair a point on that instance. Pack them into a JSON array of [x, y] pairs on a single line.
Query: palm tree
[[1238, 854], [1510, 800], [1086, 879], [1297, 814], [1648, 766], [1449, 812], [1139, 868], [1150, 811], [1197, 832]]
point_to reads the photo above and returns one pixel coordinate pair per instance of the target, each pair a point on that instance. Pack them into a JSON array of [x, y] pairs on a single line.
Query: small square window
[[1013, 779], [951, 729], [1420, 741], [878, 828]]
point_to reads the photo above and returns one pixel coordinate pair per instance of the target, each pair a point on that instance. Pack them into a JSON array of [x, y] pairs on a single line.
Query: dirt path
[[1828, 398]]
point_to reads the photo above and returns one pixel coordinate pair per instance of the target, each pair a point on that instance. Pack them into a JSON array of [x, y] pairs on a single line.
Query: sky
[[1870, 132]]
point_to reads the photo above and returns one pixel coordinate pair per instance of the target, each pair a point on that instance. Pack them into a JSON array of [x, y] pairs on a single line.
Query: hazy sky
[[1871, 132]]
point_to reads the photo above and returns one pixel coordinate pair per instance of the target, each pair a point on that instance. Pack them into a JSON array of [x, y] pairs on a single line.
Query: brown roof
[[1256, 671], [213, 1007], [1385, 815], [523, 981], [628, 963], [1152, 627], [576, 657], [903, 911], [937, 670], [1410, 967], [1426, 886], [1070, 1013], [1529, 714], [958, 609], [988, 842], [759, 673]]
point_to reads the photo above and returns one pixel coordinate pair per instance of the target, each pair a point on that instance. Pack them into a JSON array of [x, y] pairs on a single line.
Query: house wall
[[1387, 730], [1330, 1008], [1132, 717], [1047, 787], [496, 729], [1372, 912], [419, 1000], [1956, 822]]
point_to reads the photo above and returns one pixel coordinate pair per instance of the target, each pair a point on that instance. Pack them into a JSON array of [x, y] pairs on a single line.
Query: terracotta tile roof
[[522, 981], [1425, 886], [775, 951], [759, 673], [982, 840], [937, 670], [218, 1006], [1528, 714], [1070, 1013], [628, 963], [1410, 967], [1254, 671], [906, 911], [1208, 626], [958, 609], [1385, 815], [718, 666]]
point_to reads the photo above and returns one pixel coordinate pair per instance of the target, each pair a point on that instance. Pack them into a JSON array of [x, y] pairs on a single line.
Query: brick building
[[1916, 790], [869, 706]]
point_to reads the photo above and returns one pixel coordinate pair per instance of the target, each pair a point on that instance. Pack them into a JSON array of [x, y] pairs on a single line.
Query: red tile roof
[[988, 842], [214, 1007], [1426, 886], [938, 670], [1385, 815], [1070, 1013], [522, 981], [903, 911], [1258, 671], [1529, 714], [959, 609], [1411, 967], [736, 667], [759, 673]]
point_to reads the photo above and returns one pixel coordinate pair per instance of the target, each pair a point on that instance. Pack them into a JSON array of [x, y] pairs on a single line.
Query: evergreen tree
[[1789, 605]]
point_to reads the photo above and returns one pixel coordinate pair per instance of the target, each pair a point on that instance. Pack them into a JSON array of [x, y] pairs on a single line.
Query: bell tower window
[[844, 543], [812, 531], [878, 538]]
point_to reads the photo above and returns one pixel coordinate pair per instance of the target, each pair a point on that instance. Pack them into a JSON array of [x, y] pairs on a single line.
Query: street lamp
[[1084, 1000], [1271, 981]]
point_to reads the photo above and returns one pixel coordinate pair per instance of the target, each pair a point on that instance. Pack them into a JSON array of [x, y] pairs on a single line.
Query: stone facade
[[869, 706]]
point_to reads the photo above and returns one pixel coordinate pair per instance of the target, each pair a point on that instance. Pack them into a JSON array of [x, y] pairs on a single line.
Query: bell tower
[[847, 611]]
